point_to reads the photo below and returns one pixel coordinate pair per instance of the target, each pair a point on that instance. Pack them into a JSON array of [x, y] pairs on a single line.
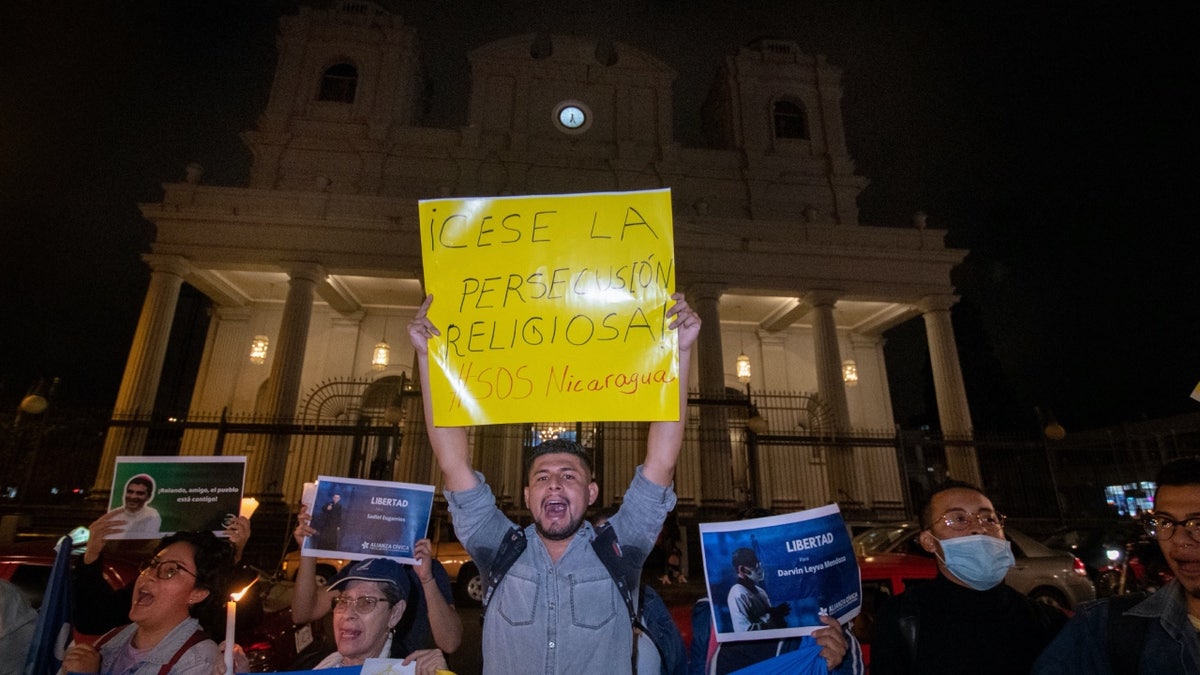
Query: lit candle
[[230, 624], [230, 621]]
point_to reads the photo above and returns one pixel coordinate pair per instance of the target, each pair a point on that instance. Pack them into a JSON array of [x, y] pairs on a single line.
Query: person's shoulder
[[205, 649], [1094, 608]]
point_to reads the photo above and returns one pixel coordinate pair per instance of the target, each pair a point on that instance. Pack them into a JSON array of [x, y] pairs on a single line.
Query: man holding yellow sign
[[557, 607]]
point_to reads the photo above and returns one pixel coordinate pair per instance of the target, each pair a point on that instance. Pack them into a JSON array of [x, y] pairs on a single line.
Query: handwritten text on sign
[[551, 308]]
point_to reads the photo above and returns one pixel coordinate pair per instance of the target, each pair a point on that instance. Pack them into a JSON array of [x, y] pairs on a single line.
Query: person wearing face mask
[[938, 627], [749, 605]]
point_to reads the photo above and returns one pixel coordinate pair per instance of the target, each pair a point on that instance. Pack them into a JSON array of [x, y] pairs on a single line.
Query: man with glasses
[[966, 620], [1154, 633]]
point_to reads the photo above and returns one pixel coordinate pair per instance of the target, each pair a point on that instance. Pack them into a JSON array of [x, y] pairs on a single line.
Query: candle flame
[[238, 596]]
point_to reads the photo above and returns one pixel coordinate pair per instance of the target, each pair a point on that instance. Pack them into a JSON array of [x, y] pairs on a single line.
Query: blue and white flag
[[53, 630]]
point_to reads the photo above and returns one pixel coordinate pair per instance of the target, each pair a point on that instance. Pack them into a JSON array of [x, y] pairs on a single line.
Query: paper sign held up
[[551, 308]]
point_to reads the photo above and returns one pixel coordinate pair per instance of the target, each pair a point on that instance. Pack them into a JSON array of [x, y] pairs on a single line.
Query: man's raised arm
[[449, 443], [665, 438]]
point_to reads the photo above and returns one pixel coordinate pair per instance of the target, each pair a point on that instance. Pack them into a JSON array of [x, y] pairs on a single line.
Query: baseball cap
[[381, 570]]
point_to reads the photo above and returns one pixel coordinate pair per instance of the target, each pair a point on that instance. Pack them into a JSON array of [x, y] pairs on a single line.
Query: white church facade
[[320, 252]]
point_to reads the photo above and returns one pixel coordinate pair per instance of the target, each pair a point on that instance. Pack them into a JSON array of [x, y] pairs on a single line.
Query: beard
[[560, 532]]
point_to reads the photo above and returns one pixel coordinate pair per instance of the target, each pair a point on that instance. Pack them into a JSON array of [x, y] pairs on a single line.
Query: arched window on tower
[[338, 83], [790, 120]]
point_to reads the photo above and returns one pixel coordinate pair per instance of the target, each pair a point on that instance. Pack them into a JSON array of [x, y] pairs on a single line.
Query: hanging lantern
[[258, 349], [743, 368], [381, 356], [849, 373]]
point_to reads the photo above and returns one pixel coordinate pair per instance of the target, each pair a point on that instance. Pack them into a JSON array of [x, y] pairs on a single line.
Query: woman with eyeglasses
[[181, 582], [368, 605]]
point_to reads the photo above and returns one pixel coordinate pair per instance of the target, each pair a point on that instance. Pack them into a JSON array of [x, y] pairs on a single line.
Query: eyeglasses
[[960, 520], [363, 604], [163, 569], [1163, 528]]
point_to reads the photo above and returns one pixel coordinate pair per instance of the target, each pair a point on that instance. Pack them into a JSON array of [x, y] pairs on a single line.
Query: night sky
[[1053, 144]]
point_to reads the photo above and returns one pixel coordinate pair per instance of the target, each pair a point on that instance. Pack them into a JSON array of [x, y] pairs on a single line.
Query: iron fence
[[724, 464]]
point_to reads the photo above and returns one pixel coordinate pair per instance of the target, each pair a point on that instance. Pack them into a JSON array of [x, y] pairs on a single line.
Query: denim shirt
[[564, 617], [1171, 645]]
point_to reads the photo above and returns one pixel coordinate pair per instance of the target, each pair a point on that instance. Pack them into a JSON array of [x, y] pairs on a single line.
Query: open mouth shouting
[[349, 634], [556, 521]]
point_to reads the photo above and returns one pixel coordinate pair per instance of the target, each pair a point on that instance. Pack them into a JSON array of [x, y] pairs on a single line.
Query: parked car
[[264, 627], [1115, 553], [1040, 572], [27, 565]]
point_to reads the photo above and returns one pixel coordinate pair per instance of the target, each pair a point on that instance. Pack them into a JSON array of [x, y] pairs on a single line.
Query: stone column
[[705, 299], [828, 357], [953, 411], [283, 387], [716, 452], [139, 384], [227, 349], [839, 468], [774, 360]]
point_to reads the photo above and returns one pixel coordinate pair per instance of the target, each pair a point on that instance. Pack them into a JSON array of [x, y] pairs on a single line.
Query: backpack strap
[[195, 639], [100, 641], [625, 575], [511, 548], [1126, 634]]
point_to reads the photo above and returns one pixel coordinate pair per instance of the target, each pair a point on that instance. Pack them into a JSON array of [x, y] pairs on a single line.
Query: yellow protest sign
[[551, 308]]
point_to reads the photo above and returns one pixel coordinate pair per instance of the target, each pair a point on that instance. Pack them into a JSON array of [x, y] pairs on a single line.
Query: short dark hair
[[214, 566], [925, 512], [1179, 472], [557, 446], [141, 479], [744, 557]]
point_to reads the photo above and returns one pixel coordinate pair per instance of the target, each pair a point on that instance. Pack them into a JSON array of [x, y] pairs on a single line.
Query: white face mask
[[755, 573], [978, 560]]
